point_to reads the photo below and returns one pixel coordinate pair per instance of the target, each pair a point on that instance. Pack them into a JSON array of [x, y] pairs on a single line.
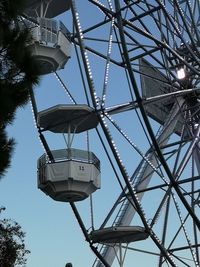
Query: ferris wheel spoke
[[84, 54]]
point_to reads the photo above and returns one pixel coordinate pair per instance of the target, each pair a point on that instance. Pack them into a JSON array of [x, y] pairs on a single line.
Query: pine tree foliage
[[6, 149], [19, 71], [12, 247]]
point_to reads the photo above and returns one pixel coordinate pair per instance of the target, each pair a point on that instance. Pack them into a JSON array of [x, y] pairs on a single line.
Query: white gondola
[[73, 174], [51, 40], [119, 235], [115, 236]]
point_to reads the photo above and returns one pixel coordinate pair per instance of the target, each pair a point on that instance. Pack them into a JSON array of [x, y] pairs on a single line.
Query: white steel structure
[[137, 65]]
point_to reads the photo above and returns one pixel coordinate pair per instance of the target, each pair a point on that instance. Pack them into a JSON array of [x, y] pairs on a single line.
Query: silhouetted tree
[[19, 72], [12, 247]]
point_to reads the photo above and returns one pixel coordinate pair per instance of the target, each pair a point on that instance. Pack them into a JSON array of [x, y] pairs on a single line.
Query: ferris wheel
[[123, 136]]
